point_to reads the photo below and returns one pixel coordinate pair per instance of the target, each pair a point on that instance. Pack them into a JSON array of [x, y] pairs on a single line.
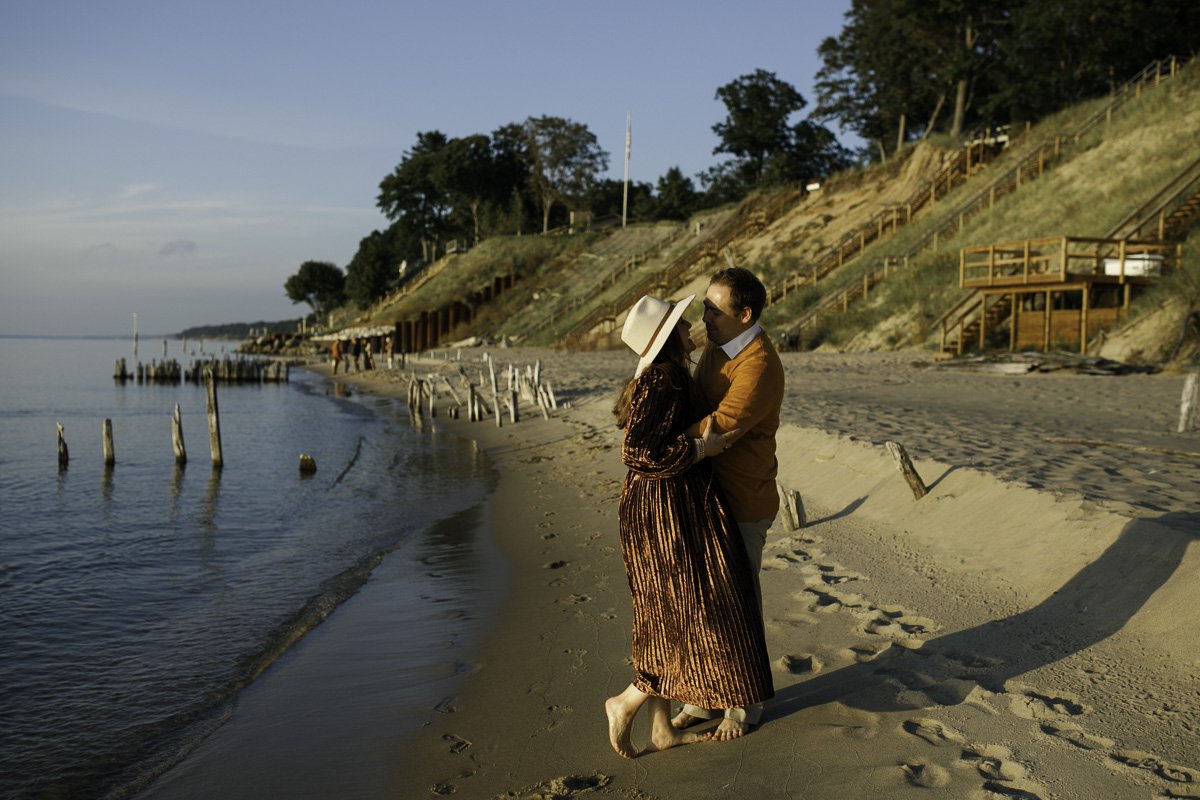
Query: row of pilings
[[429, 329], [224, 370]]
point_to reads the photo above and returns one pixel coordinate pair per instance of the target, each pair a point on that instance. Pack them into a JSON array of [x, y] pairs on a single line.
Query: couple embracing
[[694, 512]]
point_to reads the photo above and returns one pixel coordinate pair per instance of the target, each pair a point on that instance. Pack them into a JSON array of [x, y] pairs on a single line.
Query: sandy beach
[[1024, 630]]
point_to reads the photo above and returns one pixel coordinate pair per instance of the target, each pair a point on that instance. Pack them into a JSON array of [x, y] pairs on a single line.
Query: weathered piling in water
[[106, 434], [121, 372], [177, 438], [63, 456], [241, 370], [214, 422]]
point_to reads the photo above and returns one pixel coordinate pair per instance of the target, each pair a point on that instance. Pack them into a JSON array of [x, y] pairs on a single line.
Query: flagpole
[[625, 194]]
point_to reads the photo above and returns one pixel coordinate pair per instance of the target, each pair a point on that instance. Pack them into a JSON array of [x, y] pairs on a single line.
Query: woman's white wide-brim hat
[[648, 326]]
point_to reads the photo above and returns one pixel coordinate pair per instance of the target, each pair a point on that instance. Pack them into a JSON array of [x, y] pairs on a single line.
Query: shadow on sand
[[1090, 607]]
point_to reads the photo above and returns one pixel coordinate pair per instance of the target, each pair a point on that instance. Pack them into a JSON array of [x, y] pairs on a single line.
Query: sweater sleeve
[[654, 446], [754, 390]]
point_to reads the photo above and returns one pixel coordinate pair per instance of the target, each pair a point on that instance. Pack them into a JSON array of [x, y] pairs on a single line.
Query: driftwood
[[793, 507], [1189, 401], [905, 465], [1123, 446], [1022, 363]]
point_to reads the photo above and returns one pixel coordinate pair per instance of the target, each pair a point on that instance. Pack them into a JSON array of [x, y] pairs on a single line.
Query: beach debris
[[1189, 401], [905, 465], [457, 743], [793, 507], [1023, 363]]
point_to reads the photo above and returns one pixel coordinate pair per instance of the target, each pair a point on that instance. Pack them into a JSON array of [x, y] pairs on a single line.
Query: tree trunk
[[933, 117], [900, 133], [960, 108], [546, 205]]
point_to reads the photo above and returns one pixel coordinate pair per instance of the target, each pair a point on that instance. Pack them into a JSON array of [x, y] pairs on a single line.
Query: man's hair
[[745, 289]]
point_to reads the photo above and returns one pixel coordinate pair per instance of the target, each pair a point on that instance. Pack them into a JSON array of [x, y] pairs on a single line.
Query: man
[[740, 379]]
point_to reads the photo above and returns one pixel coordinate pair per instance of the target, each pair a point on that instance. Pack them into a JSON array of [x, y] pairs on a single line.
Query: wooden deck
[[1066, 260]]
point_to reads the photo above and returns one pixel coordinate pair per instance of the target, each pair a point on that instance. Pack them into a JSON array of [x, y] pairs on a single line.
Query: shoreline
[[904, 635]]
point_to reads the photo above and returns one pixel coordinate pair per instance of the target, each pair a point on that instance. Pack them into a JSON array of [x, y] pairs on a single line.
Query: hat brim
[[664, 334]]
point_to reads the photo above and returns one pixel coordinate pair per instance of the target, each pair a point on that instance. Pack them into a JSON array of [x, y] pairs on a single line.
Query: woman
[[697, 631]]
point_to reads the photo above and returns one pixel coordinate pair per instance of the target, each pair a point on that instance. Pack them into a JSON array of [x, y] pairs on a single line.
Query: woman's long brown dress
[[697, 628]]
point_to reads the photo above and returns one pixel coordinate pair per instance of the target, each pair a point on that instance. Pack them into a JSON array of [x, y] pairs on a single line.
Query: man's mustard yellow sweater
[[745, 393]]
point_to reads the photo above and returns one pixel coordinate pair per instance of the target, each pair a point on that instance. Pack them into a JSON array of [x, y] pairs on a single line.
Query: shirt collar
[[734, 347]]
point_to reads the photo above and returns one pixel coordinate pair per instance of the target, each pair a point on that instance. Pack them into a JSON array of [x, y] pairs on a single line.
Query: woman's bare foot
[[728, 730], [620, 720], [685, 720], [665, 741]]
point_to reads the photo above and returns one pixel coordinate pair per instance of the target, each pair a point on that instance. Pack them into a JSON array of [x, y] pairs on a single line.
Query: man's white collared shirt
[[737, 344]]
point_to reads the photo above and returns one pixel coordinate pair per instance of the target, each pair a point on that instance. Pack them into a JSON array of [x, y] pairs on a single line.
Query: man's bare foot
[[728, 730], [620, 720], [685, 720], [666, 741]]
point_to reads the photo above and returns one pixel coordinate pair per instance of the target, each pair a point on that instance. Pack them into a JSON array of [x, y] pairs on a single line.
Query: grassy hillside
[[564, 280]]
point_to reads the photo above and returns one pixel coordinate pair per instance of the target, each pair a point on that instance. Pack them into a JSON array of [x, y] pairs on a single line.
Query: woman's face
[[684, 331]]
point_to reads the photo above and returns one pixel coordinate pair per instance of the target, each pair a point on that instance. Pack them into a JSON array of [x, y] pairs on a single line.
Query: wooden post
[[793, 507], [495, 393], [513, 414], [905, 465], [472, 404], [106, 434], [64, 456], [177, 438], [1187, 403], [214, 419], [308, 464]]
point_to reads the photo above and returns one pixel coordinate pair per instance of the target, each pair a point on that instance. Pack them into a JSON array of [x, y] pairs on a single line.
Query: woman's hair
[[671, 353]]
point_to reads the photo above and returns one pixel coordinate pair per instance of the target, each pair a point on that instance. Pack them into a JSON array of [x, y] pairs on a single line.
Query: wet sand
[[1025, 630]]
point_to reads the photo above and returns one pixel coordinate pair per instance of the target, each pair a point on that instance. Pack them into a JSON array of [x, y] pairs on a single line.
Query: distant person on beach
[[740, 382], [697, 628], [335, 354]]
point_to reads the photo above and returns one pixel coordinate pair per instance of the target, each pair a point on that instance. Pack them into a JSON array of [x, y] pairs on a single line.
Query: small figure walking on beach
[[697, 627], [335, 355]]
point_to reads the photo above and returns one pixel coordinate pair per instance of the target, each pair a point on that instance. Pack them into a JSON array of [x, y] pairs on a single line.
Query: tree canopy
[[318, 283], [904, 68], [564, 160]]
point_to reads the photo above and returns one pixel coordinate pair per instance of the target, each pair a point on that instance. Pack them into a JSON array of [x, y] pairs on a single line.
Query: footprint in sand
[[576, 599], [457, 743], [446, 706], [933, 731], [1152, 763], [868, 653], [555, 565], [1021, 790], [994, 761], [801, 664], [1069, 731], [922, 773], [565, 787], [1030, 703]]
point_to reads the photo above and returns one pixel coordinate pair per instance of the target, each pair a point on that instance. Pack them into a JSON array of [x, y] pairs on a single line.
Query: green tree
[[564, 158], [318, 283], [374, 268], [676, 195], [756, 125], [768, 148], [416, 193]]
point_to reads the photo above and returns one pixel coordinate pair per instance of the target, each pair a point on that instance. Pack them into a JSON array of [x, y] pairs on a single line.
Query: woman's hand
[[714, 443]]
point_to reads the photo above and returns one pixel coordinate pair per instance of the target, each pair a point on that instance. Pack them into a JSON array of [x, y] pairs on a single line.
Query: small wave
[[353, 460]]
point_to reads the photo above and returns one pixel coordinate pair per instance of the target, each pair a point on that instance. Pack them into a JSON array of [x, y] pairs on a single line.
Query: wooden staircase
[[1045, 156]]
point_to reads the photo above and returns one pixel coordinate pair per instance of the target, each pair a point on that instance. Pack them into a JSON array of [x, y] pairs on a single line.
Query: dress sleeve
[[654, 445]]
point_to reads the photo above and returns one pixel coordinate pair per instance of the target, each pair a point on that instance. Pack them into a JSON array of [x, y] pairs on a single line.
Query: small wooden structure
[[1052, 292]]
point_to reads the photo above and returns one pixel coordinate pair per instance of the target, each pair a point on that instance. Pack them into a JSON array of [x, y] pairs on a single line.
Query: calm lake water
[[136, 602]]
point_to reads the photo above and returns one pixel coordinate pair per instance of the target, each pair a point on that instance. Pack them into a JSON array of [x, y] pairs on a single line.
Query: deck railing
[[1061, 258]]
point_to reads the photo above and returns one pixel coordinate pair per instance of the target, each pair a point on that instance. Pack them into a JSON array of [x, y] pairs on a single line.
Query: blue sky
[[180, 160]]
